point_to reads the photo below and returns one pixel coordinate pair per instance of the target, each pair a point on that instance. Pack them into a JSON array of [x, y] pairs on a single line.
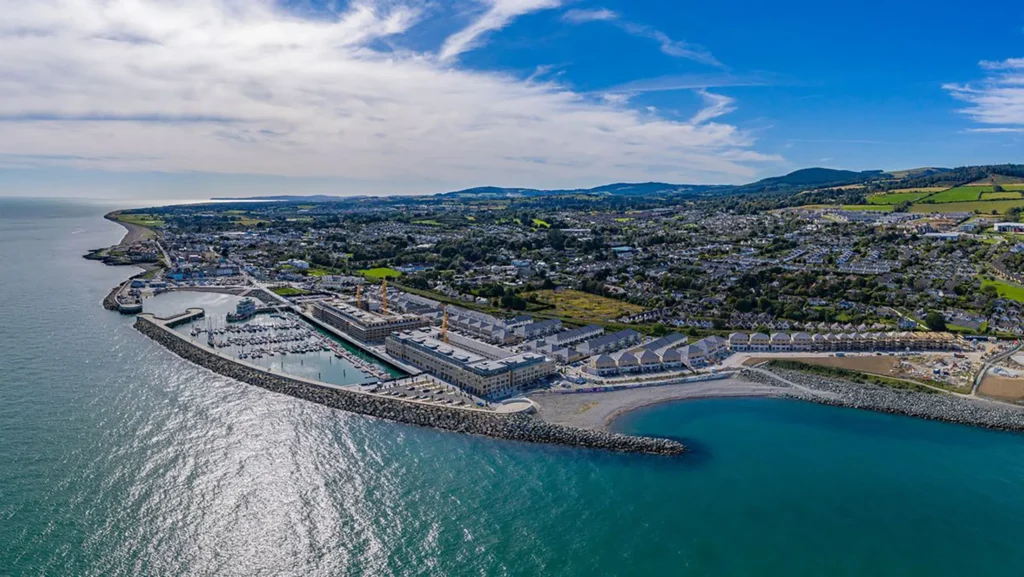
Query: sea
[[119, 458]]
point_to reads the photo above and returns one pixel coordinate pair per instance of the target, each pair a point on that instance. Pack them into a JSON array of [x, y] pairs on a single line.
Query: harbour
[[281, 341]]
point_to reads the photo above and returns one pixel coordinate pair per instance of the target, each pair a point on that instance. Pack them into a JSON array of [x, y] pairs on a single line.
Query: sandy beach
[[598, 410]]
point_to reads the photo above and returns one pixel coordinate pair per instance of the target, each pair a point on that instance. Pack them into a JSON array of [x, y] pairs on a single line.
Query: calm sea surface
[[117, 458]]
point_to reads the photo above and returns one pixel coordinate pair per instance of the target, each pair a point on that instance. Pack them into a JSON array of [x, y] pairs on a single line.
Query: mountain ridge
[[796, 181]]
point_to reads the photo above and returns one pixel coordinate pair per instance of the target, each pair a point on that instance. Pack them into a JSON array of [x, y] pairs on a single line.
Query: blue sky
[[194, 98]]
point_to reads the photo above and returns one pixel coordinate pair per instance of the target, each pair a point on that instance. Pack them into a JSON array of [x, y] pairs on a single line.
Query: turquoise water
[[118, 458]]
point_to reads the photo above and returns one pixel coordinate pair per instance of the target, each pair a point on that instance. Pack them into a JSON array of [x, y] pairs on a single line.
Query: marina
[[280, 341]]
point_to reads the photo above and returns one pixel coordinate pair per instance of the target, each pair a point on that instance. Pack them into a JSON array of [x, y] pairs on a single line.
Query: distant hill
[[289, 198], [917, 172], [1002, 173], [616, 189], [806, 179]]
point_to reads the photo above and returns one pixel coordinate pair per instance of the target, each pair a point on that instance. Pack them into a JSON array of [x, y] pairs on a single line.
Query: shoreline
[[943, 407], [598, 411], [134, 232]]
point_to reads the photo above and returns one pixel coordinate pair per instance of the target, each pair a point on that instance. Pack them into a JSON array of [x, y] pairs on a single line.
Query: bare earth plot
[[1005, 388]]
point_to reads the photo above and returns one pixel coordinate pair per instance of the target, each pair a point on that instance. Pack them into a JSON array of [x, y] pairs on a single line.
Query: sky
[[199, 98]]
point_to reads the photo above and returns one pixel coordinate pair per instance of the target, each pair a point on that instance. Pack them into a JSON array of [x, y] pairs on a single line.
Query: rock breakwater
[[933, 406], [515, 427], [110, 301]]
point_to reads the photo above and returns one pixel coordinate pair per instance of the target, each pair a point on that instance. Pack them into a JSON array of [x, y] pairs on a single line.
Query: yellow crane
[[359, 296], [444, 324]]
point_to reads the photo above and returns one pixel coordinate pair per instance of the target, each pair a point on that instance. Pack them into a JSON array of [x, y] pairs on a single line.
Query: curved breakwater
[[516, 427], [932, 406], [110, 301]]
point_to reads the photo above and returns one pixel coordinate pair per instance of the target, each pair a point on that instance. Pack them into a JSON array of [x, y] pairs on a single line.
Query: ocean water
[[117, 458]]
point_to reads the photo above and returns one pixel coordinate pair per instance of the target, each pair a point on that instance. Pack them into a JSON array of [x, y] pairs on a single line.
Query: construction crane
[[359, 296], [444, 324], [384, 296]]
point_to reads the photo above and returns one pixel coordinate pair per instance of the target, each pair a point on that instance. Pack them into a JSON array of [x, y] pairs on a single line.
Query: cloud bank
[[997, 100], [234, 87]]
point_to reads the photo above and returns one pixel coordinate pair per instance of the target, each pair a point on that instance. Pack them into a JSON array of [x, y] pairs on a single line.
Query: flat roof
[[460, 356]]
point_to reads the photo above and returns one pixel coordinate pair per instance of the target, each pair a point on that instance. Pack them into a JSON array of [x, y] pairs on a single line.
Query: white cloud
[[997, 99], [715, 105], [500, 14], [1008, 64], [234, 87], [579, 16], [676, 48]]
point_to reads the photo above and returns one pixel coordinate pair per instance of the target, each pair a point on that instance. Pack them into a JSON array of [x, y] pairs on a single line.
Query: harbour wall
[[932, 406], [514, 427], [110, 301]]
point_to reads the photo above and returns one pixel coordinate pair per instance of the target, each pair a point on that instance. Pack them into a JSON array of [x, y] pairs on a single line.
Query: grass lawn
[[287, 291], [896, 198], [1006, 290], [380, 273], [249, 221], [984, 207], [1000, 195], [959, 194], [428, 222], [878, 207], [850, 375], [141, 219], [540, 223], [570, 304]]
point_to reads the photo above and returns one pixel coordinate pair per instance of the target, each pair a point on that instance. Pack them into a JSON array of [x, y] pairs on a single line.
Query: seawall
[[110, 301], [515, 427], [931, 406]]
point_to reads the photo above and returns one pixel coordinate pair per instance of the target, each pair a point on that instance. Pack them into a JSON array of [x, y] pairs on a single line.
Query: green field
[[540, 223], [141, 219], [287, 291], [959, 194], [571, 304], [1006, 290], [428, 222], [896, 198], [984, 207], [879, 207], [380, 273], [1000, 195]]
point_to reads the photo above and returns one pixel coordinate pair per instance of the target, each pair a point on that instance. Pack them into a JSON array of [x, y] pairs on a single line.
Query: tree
[[556, 239], [935, 321]]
